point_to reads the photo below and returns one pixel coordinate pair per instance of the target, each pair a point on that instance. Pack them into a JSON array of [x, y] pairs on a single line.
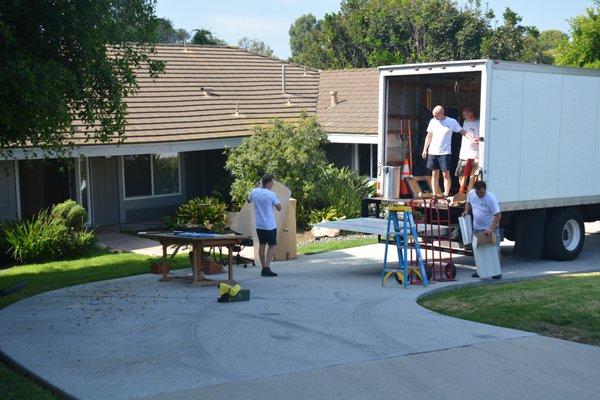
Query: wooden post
[[230, 260]]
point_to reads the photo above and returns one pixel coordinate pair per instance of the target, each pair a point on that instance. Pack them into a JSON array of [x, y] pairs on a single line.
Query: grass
[[14, 386], [315, 248], [98, 266], [566, 306]]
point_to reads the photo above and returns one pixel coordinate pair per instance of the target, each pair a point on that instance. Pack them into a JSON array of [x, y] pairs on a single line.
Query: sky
[[270, 20]]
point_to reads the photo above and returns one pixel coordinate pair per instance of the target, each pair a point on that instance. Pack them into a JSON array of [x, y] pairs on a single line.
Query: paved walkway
[[324, 329]]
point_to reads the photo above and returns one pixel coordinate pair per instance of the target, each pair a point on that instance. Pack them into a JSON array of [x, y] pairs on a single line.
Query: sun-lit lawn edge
[[315, 248], [98, 266], [565, 306]]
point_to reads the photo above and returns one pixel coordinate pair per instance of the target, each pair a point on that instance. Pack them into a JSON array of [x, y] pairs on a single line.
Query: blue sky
[[269, 20]]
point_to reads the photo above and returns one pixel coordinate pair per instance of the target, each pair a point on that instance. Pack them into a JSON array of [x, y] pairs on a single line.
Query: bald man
[[437, 150]]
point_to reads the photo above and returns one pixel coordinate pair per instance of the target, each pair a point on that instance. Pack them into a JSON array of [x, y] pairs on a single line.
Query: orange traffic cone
[[405, 172]]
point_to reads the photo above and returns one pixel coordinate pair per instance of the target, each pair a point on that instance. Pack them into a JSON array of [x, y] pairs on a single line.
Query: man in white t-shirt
[[264, 201], [438, 148], [469, 146], [486, 214]]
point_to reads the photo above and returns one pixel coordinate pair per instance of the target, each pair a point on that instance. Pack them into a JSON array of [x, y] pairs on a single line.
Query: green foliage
[[71, 61], [71, 213], [370, 33], [507, 41], [342, 190], [327, 214], [166, 33], [45, 237], [208, 212], [583, 49], [255, 46], [204, 36], [291, 151]]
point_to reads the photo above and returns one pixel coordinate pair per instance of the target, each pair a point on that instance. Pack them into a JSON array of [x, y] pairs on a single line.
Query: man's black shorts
[[267, 236], [439, 162]]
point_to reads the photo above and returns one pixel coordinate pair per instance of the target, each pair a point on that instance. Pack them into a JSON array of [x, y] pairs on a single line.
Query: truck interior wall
[[408, 97]]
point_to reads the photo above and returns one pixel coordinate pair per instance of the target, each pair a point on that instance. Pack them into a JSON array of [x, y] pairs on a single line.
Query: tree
[[541, 47], [255, 46], [168, 34], [305, 42], [291, 151], [71, 63], [583, 48], [507, 41], [204, 36], [367, 33]]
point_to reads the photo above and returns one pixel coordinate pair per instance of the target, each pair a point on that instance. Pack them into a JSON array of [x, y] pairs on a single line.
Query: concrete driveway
[[325, 328]]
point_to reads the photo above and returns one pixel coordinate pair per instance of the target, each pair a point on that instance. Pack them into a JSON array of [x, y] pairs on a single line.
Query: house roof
[[357, 107], [210, 92]]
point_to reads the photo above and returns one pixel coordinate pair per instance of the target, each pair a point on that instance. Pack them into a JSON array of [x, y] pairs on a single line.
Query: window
[[367, 160], [149, 175]]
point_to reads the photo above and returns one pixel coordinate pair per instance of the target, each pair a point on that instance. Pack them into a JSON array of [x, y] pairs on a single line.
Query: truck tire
[[564, 234]]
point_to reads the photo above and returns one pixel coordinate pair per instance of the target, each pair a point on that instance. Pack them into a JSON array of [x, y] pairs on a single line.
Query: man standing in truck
[[486, 214], [469, 146], [438, 148]]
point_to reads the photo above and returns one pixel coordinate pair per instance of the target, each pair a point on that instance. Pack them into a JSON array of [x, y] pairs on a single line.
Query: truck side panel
[[503, 138], [542, 141]]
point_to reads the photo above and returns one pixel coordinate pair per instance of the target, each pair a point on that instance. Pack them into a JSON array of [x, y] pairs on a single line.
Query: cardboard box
[[481, 239]]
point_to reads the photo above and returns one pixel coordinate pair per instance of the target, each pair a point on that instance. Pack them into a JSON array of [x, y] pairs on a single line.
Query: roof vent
[[205, 91], [184, 45], [288, 102], [334, 99], [282, 79], [237, 109], [305, 71]]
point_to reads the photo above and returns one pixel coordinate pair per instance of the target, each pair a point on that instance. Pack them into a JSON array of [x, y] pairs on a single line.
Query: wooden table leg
[[230, 260], [165, 272]]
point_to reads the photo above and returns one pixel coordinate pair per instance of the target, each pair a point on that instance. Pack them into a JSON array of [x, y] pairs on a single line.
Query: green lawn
[[315, 248], [14, 386], [566, 306]]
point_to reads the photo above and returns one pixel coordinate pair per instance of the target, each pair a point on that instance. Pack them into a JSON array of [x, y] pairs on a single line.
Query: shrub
[[291, 151], [208, 212], [38, 239], [328, 214], [45, 237], [71, 213], [342, 189]]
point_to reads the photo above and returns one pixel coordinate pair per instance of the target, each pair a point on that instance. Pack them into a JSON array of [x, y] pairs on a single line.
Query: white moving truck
[[539, 153]]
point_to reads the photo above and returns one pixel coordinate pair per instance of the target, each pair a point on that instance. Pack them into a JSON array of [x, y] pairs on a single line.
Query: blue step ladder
[[402, 238]]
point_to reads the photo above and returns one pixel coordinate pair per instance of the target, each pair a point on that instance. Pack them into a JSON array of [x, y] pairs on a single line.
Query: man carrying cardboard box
[[486, 214]]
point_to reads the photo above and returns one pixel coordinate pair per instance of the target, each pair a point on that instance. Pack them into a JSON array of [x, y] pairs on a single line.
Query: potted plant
[[157, 265]]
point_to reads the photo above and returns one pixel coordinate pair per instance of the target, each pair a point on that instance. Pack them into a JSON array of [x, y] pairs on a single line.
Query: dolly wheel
[[450, 271]]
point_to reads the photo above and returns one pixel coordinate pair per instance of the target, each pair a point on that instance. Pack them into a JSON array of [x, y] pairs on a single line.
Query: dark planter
[[157, 268]]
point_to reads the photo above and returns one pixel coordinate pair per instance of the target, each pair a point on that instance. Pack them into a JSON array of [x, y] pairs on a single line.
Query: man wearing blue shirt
[[264, 200]]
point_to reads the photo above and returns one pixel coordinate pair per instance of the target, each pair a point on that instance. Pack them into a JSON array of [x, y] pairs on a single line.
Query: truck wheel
[[564, 234]]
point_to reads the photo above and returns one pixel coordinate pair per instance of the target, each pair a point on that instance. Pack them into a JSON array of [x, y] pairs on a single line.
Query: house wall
[[8, 193]]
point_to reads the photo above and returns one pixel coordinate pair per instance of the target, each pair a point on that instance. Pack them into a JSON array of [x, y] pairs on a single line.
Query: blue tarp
[[195, 234]]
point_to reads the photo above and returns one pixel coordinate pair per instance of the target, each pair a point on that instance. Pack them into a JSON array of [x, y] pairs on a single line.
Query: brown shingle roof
[[357, 108], [174, 106]]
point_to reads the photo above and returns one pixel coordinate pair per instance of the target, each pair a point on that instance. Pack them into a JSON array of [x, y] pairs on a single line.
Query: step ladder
[[402, 238]]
